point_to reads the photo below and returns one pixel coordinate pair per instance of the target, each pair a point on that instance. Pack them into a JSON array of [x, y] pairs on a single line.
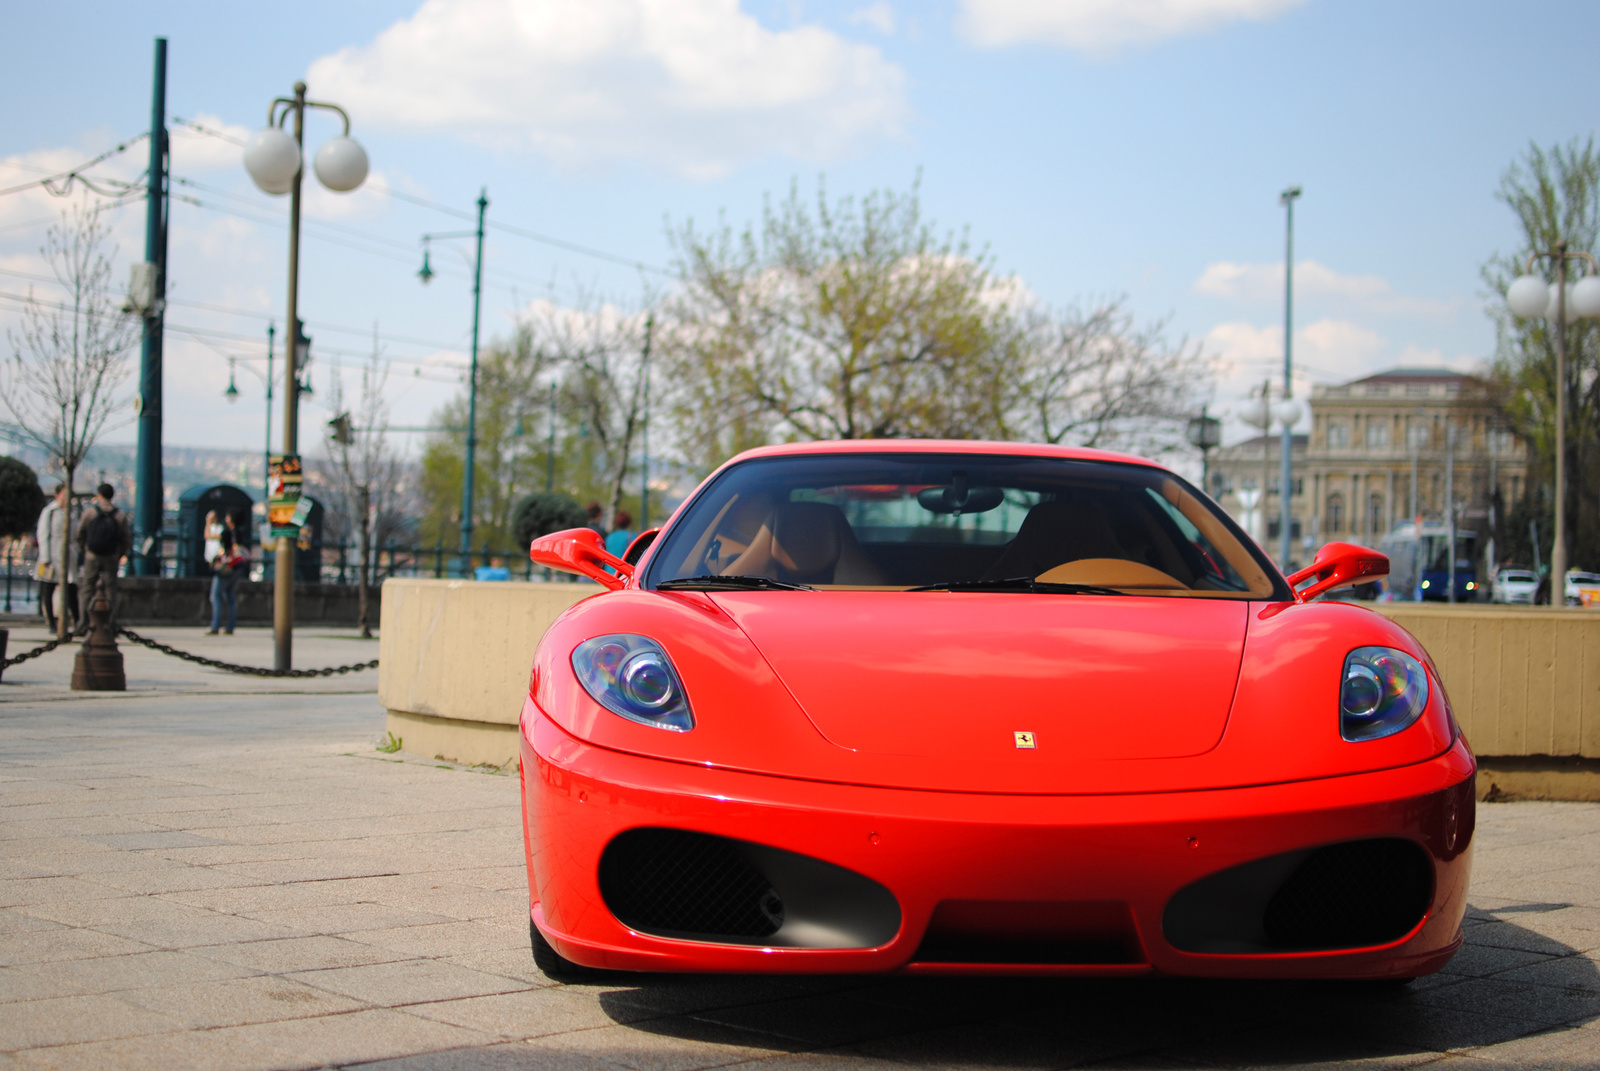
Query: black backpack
[[105, 534]]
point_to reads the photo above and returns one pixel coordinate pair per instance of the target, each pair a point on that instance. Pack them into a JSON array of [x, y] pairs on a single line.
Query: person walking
[[623, 534], [104, 538], [54, 524], [230, 563]]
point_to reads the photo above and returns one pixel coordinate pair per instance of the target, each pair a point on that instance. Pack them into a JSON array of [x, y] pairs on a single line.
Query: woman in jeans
[[226, 568]]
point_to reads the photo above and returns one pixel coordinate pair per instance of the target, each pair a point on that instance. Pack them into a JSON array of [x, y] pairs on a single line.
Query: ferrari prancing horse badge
[[1025, 740]]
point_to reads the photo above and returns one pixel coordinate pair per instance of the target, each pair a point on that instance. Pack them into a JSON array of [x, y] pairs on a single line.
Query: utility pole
[[1286, 482], [148, 491], [550, 448], [1450, 504], [1266, 462], [644, 428], [472, 399], [266, 461]]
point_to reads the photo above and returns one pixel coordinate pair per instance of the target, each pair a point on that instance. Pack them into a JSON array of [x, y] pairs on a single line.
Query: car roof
[[941, 446]]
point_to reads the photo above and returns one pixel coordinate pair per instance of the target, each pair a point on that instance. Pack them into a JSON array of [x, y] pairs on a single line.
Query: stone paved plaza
[[219, 872]]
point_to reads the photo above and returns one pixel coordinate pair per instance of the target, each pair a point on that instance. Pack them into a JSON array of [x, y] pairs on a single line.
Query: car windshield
[[1519, 577], [963, 522]]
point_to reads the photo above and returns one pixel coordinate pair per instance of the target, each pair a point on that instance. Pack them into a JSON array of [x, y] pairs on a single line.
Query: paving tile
[[409, 981], [188, 1050], [63, 1020], [286, 955], [448, 938], [534, 1013], [110, 974], [665, 1045], [19, 892], [346, 918], [358, 1037], [1562, 1049], [239, 1001], [66, 943]]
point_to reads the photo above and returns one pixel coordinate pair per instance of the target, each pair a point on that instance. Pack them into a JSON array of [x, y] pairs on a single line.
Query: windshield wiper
[[1018, 583], [736, 582]]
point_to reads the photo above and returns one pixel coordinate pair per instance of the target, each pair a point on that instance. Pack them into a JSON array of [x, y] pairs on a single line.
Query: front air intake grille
[[673, 882], [1353, 895]]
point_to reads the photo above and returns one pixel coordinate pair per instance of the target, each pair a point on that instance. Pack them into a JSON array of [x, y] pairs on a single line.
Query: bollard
[[5, 634], [98, 667]]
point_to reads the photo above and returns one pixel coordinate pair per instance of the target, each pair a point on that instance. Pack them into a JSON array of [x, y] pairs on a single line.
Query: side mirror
[[580, 550], [1339, 565]]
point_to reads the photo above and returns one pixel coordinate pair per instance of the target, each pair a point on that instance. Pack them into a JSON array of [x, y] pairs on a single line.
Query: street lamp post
[[1285, 483], [1205, 433], [469, 470], [1529, 296], [276, 160]]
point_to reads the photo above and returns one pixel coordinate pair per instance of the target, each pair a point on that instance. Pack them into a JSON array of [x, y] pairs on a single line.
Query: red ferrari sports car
[[962, 707]]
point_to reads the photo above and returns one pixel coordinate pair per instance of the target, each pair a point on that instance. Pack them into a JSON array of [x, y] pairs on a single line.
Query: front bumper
[[929, 848]]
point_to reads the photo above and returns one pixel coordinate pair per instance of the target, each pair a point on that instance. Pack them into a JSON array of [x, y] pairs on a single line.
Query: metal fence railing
[[339, 564]]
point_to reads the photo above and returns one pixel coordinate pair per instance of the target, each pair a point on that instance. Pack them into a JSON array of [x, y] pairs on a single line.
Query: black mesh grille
[[674, 882], [1366, 892]]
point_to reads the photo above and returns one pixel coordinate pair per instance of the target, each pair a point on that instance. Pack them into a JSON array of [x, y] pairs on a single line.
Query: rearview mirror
[[1339, 565], [580, 550]]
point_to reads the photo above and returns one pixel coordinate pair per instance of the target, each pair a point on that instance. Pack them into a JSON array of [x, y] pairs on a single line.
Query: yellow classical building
[[1380, 451]]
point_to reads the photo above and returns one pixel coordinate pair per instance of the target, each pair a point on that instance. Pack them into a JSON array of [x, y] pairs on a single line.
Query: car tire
[[555, 966]]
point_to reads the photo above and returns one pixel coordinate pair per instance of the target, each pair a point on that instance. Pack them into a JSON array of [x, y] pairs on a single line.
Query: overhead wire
[[75, 174], [491, 224]]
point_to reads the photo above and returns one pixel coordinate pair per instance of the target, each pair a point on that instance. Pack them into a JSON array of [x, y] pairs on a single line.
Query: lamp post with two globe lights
[[275, 160], [1529, 297]]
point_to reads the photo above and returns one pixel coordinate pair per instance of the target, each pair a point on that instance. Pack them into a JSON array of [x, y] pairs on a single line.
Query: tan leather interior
[[1110, 573], [809, 543]]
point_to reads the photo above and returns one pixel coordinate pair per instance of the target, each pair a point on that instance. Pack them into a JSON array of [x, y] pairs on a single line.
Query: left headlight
[[1382, 692], [632, 676]]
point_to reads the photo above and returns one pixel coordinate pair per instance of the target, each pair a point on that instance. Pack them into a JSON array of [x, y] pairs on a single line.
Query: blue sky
[[1097, 147]]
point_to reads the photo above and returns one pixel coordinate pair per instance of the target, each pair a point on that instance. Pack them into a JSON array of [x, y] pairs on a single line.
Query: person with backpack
[[226, 568], [104, 538]]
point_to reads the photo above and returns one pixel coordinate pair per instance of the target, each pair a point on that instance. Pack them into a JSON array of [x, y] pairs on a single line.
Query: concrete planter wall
[[1525, 683]]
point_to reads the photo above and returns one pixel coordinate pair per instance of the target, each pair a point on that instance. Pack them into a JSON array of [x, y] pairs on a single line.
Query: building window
[[1417, 390], [1375, 513], [1338, 435], [1378, 390], [1417, 434], [1335, 512], [1377, 434]]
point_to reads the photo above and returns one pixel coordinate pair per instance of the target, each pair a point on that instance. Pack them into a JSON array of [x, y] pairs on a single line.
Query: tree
[[1096, 378], [543, 513], [510, 458], [68, 360], [1554, 195], [847, 319], [859, 319], [364, 473], [21, 498], [600, 352]]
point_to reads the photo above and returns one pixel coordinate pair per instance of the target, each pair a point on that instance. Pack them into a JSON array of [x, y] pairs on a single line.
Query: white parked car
[[1516, 587], [1583, 589]]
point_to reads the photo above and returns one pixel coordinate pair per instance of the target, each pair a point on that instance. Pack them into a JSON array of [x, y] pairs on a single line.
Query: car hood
[[962, 675]]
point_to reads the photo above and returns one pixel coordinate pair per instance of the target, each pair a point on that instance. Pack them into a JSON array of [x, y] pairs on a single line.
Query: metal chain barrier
[[36, 652], [254, 671]]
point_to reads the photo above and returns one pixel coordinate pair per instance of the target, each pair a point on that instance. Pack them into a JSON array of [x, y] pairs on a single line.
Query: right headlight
[[1382, 692], [632, 676]]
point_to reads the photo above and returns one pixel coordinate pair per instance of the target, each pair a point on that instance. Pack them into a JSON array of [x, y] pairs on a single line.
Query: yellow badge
[[1025, 740]]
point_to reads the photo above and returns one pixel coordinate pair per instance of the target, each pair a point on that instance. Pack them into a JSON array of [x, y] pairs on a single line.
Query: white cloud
[[879, 16], [194, 150], [1263, 284], [696, 85], [1103, 25]]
